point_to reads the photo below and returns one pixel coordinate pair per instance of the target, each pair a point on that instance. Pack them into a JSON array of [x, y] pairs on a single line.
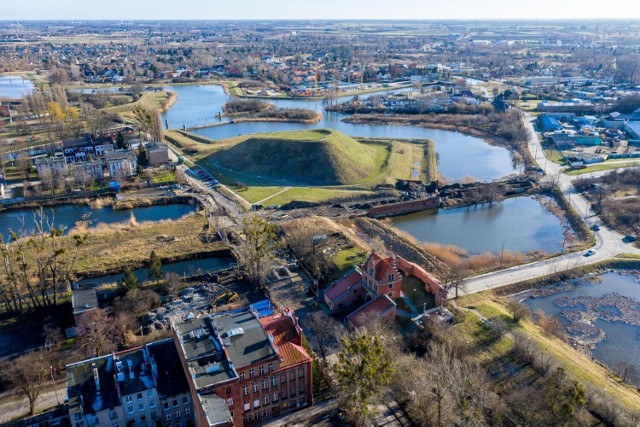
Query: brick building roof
[[286, 336]]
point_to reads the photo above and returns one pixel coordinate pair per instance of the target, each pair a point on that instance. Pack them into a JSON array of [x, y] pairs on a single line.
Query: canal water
[[67, 216], [622, 342], [182, 268], [521, 224], [460, 156], [15, 87]]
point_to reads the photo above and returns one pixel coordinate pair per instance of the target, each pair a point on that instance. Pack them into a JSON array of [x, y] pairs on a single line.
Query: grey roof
[[81, 382], [171, 379], [249, 346], [83, 299], [133, 372], [215, 409], [204, 353]]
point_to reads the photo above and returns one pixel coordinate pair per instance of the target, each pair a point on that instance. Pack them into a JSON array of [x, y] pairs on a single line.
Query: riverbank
[[168, 103], [480, 126]]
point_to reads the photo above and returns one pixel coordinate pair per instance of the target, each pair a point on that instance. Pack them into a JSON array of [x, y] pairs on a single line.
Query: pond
[[622, 340], [521, 224], [15, 87], [67, 215], [458, 153], [182, 268]]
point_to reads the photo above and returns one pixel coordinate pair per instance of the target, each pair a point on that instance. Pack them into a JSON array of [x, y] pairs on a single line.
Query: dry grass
[[110, 247]]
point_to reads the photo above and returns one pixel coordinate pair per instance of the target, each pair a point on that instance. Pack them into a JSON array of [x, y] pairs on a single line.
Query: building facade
[[244, 368]]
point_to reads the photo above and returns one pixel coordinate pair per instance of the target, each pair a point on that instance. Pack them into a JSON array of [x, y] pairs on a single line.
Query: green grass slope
[[314, 157]]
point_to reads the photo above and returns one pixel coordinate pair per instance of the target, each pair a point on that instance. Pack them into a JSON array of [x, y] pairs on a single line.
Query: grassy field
[[605, 166], [576, 363], [110, 247], [377, 161], [149, 100]]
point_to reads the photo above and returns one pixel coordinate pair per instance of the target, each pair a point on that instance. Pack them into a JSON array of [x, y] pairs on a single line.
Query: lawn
[[255, 194], [346, 260], [311, 194], [604, 167], [413, 288], [164, 177]]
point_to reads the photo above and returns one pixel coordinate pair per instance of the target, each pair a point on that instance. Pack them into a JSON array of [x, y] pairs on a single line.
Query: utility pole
[[54, 384]]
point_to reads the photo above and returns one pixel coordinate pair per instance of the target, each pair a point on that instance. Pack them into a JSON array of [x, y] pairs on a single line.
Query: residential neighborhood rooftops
[[83, 299], [286, 336], [170, 378], [344, 284], [133, 372], [90, 385], [377, 307]]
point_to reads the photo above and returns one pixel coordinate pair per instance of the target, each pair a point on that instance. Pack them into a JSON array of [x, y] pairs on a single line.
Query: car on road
[[589, 253], [629, 238], [596, 227]]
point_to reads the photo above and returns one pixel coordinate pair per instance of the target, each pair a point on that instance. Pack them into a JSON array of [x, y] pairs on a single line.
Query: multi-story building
[[243, 368], [86, 147], [51, 165], [121, 163], [143, 387]]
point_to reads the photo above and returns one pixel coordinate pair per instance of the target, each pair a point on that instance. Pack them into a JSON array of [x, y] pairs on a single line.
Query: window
[[261, 369], [274, 381], [292, 375], [167, 417], [152, 404], [390, 285], [187, 411], [176, 414], [256, 403], [139, 396], [130, 410], [265, 400], [242, 375], [141, 407], [275, 396], [391, 277], [300, 373], [230, 401], [228, 390], [270, 367], [128, 399], [247, 406], [265, 384], [113, 415], [175, 403], [245, 390], [150, 393], [165, 406], [255, 387], [251, 373], [266, 412], [185, 400], [116, 424], [283, 378]]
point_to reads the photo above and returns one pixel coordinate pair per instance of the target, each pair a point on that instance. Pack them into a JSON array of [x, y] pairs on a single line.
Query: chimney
[[96, 377]]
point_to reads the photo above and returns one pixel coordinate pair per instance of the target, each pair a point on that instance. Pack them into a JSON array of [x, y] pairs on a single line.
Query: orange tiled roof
[[286, 337]]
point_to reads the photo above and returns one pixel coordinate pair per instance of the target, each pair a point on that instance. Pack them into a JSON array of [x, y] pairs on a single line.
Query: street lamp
[[502, 252]]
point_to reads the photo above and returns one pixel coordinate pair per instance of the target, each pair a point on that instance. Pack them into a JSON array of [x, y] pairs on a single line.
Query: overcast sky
[[318, 9]]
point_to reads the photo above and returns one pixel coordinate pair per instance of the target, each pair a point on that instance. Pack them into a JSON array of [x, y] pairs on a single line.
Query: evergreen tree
[[121, 143], [363, 370], [155, 267], [129, 281]]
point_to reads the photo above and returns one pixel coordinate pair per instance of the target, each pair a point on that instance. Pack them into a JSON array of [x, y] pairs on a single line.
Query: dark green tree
[[142, 156], [155, 267], [363, 370], [129, 281], [121, 143]]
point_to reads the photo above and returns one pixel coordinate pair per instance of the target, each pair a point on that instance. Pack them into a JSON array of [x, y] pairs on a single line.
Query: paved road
[[608, 242]]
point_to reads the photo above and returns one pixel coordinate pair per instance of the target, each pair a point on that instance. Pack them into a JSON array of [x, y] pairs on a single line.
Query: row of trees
[[37, 267]]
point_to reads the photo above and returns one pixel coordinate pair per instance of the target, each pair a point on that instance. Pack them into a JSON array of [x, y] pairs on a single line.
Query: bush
[[518, 310]]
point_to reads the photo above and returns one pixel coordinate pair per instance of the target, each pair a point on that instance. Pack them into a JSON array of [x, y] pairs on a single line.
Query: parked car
[[590, 252], [596, 227], [629, 238]]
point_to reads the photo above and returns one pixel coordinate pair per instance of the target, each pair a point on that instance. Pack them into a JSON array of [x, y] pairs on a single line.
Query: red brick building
[[242, 368], [371, 289]]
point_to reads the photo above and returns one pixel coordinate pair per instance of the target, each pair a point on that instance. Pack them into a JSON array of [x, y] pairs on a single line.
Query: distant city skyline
[[327, 9]]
